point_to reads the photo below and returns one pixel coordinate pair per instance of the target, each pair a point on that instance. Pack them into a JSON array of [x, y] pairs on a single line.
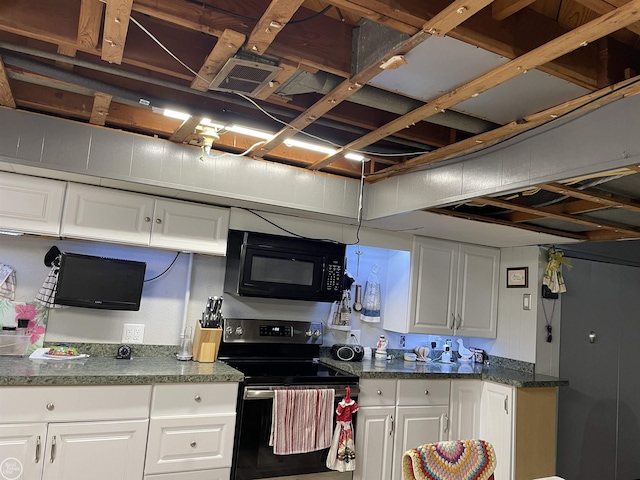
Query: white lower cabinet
[[497, 425], [191, 431], [37, 440], [465, 409], [395, 416]]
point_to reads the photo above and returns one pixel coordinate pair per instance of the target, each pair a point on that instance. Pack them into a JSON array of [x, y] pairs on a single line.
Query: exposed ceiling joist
[[67, 51], [89, 23], [568, 208], [501, 9], [116, 25], [226, 47], [100, 110], [6, 97], [185, 130], [581, 36], [545, 212], [271, 24], [606, 200], [288, 69], [601, 7]]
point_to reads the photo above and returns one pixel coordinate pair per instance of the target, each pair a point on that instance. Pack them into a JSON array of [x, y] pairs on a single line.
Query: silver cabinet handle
[[453, 323], [50, 406], [379, 392], [193, 444], [147, 219], [392, 425], [459, 327], [158, 220], [38, 445], [446, 423], [506, 404], [426, 392], [197, 398], [53, 449]]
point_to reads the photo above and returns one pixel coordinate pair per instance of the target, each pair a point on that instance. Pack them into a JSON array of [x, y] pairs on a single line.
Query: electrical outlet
[[354, 337], [132, 333], [403, 341]]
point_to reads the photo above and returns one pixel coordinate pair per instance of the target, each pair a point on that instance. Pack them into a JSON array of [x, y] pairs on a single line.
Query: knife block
[[206, 342]]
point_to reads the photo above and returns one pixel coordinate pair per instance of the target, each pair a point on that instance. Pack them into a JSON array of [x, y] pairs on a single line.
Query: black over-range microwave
[[274, 266]]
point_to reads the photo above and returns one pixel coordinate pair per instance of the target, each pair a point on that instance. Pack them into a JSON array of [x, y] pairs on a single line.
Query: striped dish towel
[[301, 420]]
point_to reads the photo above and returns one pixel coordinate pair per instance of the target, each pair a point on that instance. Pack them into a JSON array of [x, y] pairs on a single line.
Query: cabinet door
[[374, 443], [192, 227], [497, 425], [22, 450], [434, 266], [96, 450], [30, 205], [465, 409], [107, 215], [477, 295], [416, 426]]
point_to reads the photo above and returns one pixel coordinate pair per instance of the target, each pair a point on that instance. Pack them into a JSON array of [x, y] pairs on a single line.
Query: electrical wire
[[284, 229], [165, 271], [235, 154]]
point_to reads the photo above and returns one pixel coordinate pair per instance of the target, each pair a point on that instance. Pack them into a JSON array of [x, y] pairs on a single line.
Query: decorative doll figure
[[342, 454]]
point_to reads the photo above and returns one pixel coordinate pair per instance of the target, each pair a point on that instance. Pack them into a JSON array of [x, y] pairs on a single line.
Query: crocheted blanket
[[450, 460]]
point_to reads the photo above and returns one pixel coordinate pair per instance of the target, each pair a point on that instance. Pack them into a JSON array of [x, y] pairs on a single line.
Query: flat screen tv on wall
[[97, 282]]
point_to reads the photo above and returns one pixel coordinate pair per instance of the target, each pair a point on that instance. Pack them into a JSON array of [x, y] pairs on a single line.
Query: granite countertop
[[398, 368], [17, 371]]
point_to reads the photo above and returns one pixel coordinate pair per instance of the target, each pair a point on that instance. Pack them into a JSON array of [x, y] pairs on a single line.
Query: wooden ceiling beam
[[67, 51], [277, 15], [604, 199], [100, 110], [557, 47], [573, 107], [226, 47], [601, 7], [6, 97], [569, 208], [441, 24], [544, 212], [185, 130], [89, 24], [501, 9], [288, 69], [116, 25], [497, 221]]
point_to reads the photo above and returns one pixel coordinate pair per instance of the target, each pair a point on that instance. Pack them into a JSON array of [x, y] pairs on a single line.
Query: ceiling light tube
[[309, 146], [175, 114], [354, 156], [250, 132]]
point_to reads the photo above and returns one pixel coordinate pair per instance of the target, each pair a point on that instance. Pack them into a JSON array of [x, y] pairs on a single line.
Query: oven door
[[254, 458]]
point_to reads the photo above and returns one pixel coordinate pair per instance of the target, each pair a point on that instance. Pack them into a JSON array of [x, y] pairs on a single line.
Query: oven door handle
[[262, 393]]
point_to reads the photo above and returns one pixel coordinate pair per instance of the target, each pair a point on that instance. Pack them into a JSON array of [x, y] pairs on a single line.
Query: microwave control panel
[[333, 279]]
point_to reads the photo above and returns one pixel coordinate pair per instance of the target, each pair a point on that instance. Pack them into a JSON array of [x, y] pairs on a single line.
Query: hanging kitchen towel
[[47, 293], [7, 282], [301, 420], [342, 454]]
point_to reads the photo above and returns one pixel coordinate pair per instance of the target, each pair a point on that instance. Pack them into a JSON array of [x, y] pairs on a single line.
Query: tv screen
[[97, 282]]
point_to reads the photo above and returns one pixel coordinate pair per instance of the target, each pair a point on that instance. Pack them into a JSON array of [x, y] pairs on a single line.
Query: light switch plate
[[526, 301]]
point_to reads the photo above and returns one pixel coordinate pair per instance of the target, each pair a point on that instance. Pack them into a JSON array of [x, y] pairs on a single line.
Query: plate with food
[[57, 352]]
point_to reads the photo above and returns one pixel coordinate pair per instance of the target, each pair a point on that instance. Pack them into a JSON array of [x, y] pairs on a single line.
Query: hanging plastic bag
[[371, 301]]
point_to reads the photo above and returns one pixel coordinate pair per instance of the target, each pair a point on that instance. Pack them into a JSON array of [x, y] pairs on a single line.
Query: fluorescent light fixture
[[174, 114], [250, 132], [354, 156], [11, 233], [309, 146]]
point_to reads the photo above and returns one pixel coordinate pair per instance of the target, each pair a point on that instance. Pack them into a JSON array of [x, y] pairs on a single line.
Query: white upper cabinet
[[30, 204], [454, 289], [135, 219]]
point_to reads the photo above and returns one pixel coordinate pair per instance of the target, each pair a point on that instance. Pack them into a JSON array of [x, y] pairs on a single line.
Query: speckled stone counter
[[401, 369], [110, 371]]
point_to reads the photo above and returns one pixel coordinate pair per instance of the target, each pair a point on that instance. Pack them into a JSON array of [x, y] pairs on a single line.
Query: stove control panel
[[272, 331]]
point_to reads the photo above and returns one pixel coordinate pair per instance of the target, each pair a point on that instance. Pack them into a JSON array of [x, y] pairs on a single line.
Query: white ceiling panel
[[437, 66], [530, 93]]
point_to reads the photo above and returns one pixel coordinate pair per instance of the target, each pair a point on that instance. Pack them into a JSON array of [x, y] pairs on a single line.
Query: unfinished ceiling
[[404, 83]]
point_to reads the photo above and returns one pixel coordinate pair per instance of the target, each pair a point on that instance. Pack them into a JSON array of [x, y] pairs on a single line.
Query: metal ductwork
[[323, 83]]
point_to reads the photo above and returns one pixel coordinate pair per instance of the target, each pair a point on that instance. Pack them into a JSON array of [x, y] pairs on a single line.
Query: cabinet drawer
[[193, 399], [81, 403], [190, 443], [423, 392], [375, 392], [217, 474]]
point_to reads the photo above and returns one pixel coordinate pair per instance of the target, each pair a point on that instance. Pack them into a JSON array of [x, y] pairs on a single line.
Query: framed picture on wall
[[518, 277]]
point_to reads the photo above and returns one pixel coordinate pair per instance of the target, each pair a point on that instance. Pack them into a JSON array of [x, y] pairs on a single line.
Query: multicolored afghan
[[450, 460]]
